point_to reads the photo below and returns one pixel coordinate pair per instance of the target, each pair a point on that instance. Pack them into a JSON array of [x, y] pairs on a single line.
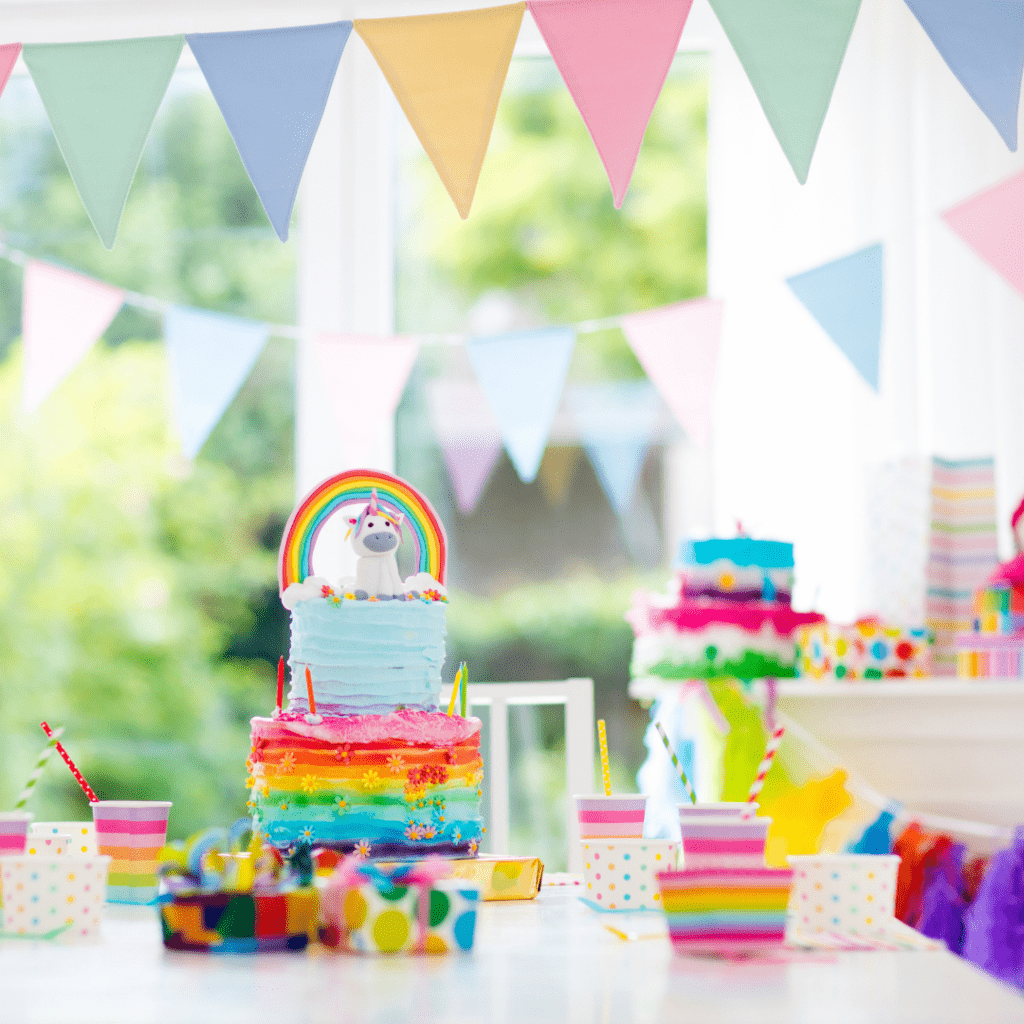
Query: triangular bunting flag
[[466, 432], [982, 41], [271, 86], [614, 56], [447, 71], [364, 376], [845, 297], [557, 469], [101, 99], [992, 224], [615, 421], [792, 51], [8, 58], [522, 376], [62, 316], [210, 356], [677, 346]]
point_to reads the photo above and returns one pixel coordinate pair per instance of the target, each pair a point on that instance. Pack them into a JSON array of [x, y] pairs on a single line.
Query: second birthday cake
[[362, 759]]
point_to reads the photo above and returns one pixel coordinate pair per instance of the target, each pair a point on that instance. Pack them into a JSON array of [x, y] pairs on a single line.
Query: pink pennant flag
[[62, 316], [8, 58], [614, 56], [678, 348], [468, 436], [992, 224], [365, 376]]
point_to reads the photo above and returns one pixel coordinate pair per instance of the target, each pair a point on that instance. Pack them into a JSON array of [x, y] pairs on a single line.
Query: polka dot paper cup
[[53, 897], [83, 833], [622, 874], [851, 893], [611, 817], [53, 846]]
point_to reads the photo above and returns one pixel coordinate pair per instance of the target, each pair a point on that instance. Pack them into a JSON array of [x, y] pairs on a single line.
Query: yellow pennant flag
[[447, 71], [556, 473]]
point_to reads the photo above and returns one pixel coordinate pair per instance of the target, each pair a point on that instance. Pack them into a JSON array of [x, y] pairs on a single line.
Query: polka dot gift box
[[850, 893], [621, 874], [370, 913], [50, 896], [869, 649]]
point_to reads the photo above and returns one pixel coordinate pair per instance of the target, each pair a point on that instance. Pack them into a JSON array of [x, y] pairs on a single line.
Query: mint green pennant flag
[[101, 99], [791, 51]]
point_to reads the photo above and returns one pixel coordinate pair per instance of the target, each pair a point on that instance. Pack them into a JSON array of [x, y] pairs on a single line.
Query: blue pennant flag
[[271, 86], [845, 297], [522, 376], [210, 355], [615, 421], [982, 41]]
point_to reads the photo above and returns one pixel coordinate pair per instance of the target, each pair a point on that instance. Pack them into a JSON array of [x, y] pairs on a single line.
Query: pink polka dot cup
[[611, 817], [848, 893]]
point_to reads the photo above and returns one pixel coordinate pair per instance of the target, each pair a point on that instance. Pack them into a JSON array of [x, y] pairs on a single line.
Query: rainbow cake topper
[[354, 486]]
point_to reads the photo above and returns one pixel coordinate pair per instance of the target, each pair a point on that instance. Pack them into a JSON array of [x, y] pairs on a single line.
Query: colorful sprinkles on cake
[[349, 488]]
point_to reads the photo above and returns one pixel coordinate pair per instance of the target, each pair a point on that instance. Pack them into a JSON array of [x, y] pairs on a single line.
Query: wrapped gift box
[[232, 922], [405, 908], [868, 649], [502, 878], [999, 609], [983, 654]]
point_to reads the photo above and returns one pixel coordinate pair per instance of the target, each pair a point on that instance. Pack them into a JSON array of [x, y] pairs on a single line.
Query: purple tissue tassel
[[943, 904], [994, 923]]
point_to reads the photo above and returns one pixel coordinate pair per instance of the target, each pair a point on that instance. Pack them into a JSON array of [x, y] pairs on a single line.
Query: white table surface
[[549, 959]]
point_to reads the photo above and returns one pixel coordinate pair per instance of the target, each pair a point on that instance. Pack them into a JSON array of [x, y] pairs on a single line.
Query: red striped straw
[[763, 769], [79, 778]]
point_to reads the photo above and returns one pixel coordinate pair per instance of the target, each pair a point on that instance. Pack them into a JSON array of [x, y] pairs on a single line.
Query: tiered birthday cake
[[727, 613], [373, 766], [995, 647]]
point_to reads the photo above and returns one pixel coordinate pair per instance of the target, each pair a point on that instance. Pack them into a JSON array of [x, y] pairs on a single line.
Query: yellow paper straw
[[605, 773], [463, 688], [675, 760]]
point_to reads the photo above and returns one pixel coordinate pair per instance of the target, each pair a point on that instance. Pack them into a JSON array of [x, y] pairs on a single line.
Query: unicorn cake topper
[[376, 535]]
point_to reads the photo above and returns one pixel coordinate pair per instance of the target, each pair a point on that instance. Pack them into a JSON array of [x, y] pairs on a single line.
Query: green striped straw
[[675, 760], [44, 756]]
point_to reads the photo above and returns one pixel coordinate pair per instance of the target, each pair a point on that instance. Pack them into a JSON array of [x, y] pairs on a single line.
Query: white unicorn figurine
[[376, 535]]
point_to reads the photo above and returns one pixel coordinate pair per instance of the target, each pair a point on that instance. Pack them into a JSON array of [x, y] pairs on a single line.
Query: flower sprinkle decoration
[[363, 848], [457, 835], [287, 762], [473, 846], [340, 803], [396, 763], [371, 780], [307, 833], [309, 783], [342, 753]]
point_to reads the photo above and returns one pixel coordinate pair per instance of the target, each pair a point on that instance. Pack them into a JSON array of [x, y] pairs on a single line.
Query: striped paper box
[[131, 833], [962, 550], [726, 910], [979, 655]]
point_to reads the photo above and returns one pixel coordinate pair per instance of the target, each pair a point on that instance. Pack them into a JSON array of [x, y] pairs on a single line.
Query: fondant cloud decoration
[[310, 587], [376, 535]]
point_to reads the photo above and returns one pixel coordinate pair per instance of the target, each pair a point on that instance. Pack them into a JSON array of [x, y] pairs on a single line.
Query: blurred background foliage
[[138, 601]]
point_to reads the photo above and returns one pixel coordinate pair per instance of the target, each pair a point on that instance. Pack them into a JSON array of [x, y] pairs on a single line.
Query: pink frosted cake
[[727, 614], [361, 758]]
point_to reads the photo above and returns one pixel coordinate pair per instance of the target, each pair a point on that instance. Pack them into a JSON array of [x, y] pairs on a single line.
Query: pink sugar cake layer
[[705, 640], [400, 785]]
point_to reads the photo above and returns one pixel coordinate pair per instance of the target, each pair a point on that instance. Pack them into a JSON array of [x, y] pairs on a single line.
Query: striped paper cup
[[721, 841], [13, 829], [131, 833], [611, 817], [726, 910]]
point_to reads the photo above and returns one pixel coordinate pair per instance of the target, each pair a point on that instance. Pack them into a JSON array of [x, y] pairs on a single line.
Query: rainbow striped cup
[[13, 830], [718, 836], [131, 833], [611, 817]]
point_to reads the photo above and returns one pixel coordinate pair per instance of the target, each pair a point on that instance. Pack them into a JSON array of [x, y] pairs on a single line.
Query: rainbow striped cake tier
[[726, 910], [404, 784]]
